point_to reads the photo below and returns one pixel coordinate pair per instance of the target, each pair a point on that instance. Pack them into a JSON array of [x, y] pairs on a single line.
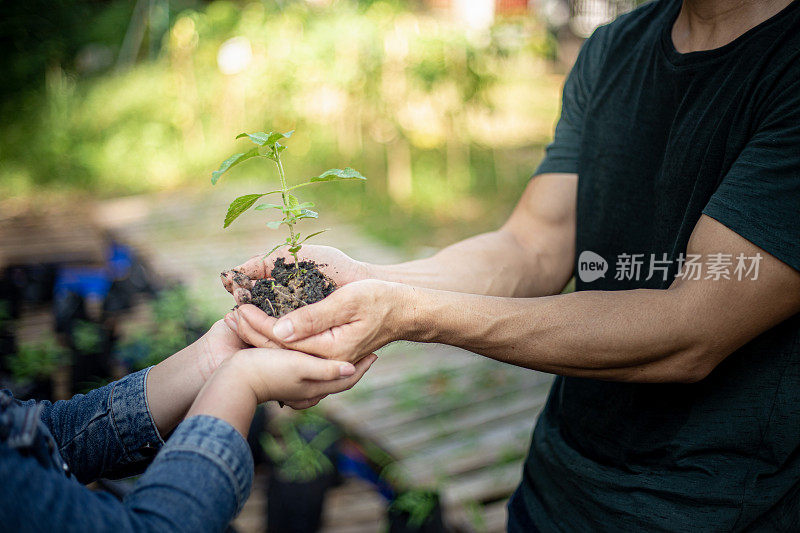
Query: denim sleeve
[[198, 482], [108, 432]]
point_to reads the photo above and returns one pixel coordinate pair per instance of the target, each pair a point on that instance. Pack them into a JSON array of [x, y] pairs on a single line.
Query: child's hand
[[256, 375], [173, 384], [215, 347], [289, 376]]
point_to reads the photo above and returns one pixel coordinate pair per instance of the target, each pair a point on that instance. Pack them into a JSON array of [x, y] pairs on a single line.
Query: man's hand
[[352, 322], [335, 264]]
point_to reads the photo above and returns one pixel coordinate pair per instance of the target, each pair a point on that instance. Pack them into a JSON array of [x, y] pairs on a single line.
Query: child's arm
[[201, 477], [116, 430], [257, 375]]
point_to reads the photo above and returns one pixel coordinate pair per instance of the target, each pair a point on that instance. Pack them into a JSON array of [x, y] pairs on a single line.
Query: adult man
[[677, 405]]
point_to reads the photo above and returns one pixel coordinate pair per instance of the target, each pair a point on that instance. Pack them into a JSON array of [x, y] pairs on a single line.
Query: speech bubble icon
[[591, 266]]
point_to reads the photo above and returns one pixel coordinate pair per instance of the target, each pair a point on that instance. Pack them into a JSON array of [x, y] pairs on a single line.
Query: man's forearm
[[493, 264], [640, 335], [531, 255]]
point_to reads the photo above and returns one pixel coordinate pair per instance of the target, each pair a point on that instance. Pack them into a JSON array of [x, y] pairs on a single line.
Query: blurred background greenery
[[119, 97]]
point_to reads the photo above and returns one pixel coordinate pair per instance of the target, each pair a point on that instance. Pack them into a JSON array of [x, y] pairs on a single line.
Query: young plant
[[299, 458], [268, 146], [39, 360], [417, 505]]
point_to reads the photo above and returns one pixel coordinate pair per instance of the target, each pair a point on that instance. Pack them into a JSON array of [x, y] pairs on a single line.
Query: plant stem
[[284, 191]]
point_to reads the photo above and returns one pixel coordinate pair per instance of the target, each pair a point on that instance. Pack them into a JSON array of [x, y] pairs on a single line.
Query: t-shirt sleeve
[[561, 155], [759, 197]]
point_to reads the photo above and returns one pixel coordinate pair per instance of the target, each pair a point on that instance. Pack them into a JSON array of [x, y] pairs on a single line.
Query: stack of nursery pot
[[302, 451], [416, 511]]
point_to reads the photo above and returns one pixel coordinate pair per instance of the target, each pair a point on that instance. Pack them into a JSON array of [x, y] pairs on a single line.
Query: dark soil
[[290, 288]]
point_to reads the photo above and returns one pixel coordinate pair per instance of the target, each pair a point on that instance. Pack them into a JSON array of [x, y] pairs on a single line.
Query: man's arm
[[530, 255], [679, 334], [674, 335]]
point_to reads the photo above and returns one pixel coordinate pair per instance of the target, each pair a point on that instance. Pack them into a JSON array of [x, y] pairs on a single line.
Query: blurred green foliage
[[36, 361], [416, 505], [298, 444], [446, 123], [177, 319]]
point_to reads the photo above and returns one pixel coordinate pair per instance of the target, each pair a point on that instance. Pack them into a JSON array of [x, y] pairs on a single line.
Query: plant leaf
[[274, 224], [233, 160], [260, 138], [266, 138], [307, 213], [292, 202], [239, 206], [275, 136], [337, 174], [261, 207], [313, 235], [276, 247]]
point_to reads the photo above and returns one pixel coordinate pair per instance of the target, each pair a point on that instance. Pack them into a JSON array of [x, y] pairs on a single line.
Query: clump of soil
[[290, 288]]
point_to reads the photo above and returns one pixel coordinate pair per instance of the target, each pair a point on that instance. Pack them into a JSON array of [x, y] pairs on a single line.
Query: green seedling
[[417, 504], [297, 458], [268, 146]]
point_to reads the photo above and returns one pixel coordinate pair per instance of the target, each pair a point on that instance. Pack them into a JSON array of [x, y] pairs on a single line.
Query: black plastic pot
[[257, 428], [399, 521], [8, 347], [296, 507], [91, 367], [41, 389], [34, 282]]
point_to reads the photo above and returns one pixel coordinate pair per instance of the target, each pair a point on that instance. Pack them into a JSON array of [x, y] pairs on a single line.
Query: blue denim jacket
[[197, 481]]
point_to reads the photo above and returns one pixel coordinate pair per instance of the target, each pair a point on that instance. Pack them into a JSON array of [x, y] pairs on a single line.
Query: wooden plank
[[491, 518], [495, 516], [376, 404], [50, 237], [374, 415], [353, 504], [408, 439], [459, 455], [486, 484]]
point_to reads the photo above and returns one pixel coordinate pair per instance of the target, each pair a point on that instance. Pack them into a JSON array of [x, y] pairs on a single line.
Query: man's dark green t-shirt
[[658, 139]]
